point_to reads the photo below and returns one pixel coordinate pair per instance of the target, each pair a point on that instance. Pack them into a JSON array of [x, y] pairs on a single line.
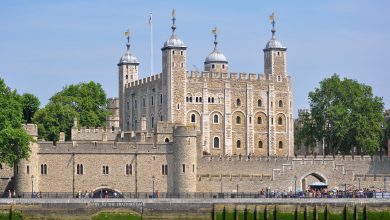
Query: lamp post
[[359, 183], [153, 179], [295, 185], [384, 183], [32, 186]]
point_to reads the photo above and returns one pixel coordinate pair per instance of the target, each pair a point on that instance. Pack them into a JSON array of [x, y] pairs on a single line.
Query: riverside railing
[[196, 195]]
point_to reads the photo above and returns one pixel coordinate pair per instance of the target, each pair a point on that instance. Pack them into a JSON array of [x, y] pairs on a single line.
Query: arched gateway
[[311, 177]]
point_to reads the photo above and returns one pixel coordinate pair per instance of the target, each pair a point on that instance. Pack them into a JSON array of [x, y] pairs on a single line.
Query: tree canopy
[[14, 140], [345, 114], [30, 106], [85, 101]]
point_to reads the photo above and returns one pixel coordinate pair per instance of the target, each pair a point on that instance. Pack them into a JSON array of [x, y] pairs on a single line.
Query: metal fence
[[197, 195]]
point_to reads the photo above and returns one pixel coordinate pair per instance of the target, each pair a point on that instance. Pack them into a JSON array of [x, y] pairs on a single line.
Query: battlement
[[31, 129], [100, 147], [95, 134], [143, 81], [184, 131], [246, 158], [216, 75]]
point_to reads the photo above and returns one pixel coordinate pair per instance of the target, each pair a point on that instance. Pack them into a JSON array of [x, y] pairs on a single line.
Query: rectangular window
[[105, 170], [183, 168], [161, 98], [152, 100], [193, 168], [80, 169], [43, 169], [129, 169], [164, 169], [28, 169]]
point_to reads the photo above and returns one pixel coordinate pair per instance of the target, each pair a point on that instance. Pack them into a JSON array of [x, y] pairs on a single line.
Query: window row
[[152, 101], [260, 120], [196, 99], [259, 103], [216, 143]]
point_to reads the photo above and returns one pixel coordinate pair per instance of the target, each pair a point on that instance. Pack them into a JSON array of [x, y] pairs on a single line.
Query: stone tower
[[274, 56], [174, 76], [185, 159], [26, 172], [279, 88], [216, 61], [128, 72]]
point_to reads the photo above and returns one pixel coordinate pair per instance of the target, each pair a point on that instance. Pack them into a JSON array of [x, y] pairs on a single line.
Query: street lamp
[[384, 183], [295, 184], [153, 179], [32, 186], [359, 183]]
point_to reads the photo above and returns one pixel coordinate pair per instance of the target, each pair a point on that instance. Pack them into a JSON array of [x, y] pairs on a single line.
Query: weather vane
[[215, 32], [272, 18], [127, 35], [173, 21]]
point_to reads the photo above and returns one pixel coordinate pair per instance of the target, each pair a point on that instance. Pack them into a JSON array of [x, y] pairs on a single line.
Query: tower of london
[[235, 113], [185, 131]]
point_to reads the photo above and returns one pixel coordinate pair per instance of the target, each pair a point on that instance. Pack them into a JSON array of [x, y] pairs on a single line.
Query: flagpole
[[151, 43]]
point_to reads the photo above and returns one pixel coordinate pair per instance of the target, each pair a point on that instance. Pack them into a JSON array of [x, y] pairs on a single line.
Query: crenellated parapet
[[232, 75], [95, 134], [145, 80], [31, 129]]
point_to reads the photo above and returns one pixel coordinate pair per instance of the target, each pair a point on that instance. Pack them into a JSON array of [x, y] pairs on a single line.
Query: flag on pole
[[173, 13], [150, 19]]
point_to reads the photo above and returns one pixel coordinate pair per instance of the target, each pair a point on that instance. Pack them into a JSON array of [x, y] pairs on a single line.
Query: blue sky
[[45, 45]]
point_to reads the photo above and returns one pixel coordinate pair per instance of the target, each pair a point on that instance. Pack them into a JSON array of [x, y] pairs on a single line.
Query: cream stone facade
[[187, 132]]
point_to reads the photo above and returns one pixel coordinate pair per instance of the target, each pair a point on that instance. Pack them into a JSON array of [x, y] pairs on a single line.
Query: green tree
[[14, 140], [85, 101], [30, 106], [346, 115]]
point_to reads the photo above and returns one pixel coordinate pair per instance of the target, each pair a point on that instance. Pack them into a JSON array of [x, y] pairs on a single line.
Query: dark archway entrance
[[312, 178], [106, 193]]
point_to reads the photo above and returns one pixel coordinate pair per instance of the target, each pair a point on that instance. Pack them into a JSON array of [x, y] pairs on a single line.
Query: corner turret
[[128, 72]]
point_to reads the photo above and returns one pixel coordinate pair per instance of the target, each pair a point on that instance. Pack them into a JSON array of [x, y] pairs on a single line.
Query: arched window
[[238, 102], [212, 100], [216, 121], [190, 98], [238, 144], [260, 145], [280, 144], [212, 66], [259, 103], [259, 120], [196, 99], [166, 140], [216, 142], [280, 121], [280, 103], [223, 66], [193, 119], [238, 120], [187, 99]]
